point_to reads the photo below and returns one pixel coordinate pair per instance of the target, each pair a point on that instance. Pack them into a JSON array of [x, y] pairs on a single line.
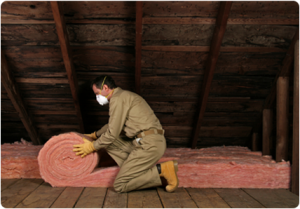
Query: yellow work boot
[[169, 172]]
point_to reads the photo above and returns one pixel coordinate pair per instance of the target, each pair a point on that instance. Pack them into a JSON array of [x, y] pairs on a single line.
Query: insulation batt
[[215, 167]]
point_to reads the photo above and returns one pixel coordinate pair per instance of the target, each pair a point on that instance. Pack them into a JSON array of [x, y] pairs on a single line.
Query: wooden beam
[[209, 21], [67, 56], [164, 20], [295, 158], [282, 118], [14, 95], [138, 46], [206, 49], [267, 131], [219, 31], [255, 142]]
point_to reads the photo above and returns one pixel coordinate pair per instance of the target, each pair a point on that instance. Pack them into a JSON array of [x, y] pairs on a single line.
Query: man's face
[[99, 91]]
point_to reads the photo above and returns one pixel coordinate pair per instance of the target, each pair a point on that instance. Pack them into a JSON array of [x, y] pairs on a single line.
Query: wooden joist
[[165, 20], [67, 57], [219, 31], [138, 46], [14, 95]]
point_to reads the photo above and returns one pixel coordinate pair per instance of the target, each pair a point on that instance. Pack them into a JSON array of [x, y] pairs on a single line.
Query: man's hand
[[92, 135], [84, 149]]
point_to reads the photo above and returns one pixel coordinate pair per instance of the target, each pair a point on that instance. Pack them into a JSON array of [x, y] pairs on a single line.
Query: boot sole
[[176, 169]]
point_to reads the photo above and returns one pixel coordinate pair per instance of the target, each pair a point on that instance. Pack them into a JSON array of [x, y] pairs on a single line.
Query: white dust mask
[[102, 100]]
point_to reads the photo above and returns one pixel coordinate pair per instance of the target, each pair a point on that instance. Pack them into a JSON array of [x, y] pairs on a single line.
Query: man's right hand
[[92, 135]]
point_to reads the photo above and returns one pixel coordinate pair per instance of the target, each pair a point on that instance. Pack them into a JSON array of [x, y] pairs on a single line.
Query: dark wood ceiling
[[211, 64]]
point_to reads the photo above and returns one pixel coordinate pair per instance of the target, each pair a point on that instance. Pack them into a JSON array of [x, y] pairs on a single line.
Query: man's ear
[[105, 87]]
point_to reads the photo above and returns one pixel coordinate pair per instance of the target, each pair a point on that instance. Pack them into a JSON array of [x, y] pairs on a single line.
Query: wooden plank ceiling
[[160, 50]]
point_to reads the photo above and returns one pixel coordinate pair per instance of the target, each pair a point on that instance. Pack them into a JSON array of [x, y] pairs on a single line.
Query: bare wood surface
[[274, 198], [52, 81], [206, 49], [207, 198], [5, 183], [282, 118], [144, 199], [91, 198], [67, 57], [162, 20], [267, 131], [42, 197], [295, 158], [114, 199], [220, 28], [237, 198], [178, 199], [67, 198], [138, 45], [255, 142], [14, 95], [184, 20], [14, 194]]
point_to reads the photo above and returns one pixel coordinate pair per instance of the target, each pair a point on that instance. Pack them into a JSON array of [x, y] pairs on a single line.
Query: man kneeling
[[138, 151]]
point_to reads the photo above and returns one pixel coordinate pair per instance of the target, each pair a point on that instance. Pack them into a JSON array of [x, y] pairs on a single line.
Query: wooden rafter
[[219, 32], [67, 56], [13, 93], [138, 46]]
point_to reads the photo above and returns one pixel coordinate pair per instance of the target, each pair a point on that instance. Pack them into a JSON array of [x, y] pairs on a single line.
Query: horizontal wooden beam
[[207, 48], [67, 56], [14, 95], [52, 81], [164, 20]]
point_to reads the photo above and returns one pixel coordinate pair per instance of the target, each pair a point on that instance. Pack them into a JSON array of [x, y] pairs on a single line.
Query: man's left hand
[[84, 149]]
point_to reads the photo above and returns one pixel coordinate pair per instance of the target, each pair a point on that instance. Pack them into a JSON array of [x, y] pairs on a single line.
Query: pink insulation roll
[[59, 165]]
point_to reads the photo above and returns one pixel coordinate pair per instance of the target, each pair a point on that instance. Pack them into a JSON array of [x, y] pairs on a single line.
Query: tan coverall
[[131, 113]]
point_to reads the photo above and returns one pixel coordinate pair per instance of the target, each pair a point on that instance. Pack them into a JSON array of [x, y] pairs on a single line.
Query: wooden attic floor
[[35, 193]]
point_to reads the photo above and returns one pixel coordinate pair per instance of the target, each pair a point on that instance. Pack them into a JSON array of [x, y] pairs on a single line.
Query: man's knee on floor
[[119, 187]]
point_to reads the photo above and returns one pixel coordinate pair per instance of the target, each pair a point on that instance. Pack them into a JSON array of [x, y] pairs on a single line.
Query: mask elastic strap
[[110, 93], [103, 83]]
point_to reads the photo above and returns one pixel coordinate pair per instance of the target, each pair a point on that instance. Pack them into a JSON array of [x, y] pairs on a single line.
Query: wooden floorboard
[[35, 193], [207, 198], [42, 197], [14, 194], [68, 198], [147, 198], [91, 197], [178, 199], [115, 200], [237, 198], [274, 198], [7, 182]]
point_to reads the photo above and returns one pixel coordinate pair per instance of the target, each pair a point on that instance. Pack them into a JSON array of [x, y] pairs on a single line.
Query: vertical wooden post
[[295, 160], [267, 131], [282, 121], [254, 142]]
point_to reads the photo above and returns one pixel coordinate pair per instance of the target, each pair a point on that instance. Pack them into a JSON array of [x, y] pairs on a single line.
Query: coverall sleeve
[[102, 130], [118, 112]]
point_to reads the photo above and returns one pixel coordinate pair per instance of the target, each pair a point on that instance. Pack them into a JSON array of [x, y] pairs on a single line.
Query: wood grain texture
[[91, 198], [67, 56], [67, 198], [13, 195], [14, 95], [5, 183], [207, 198], [267, 139], [138, 45], [144, 199], [219, 31], [115, 200], [178, 199], [295, 159], [237, 198], [277, 198], [43, 197]]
